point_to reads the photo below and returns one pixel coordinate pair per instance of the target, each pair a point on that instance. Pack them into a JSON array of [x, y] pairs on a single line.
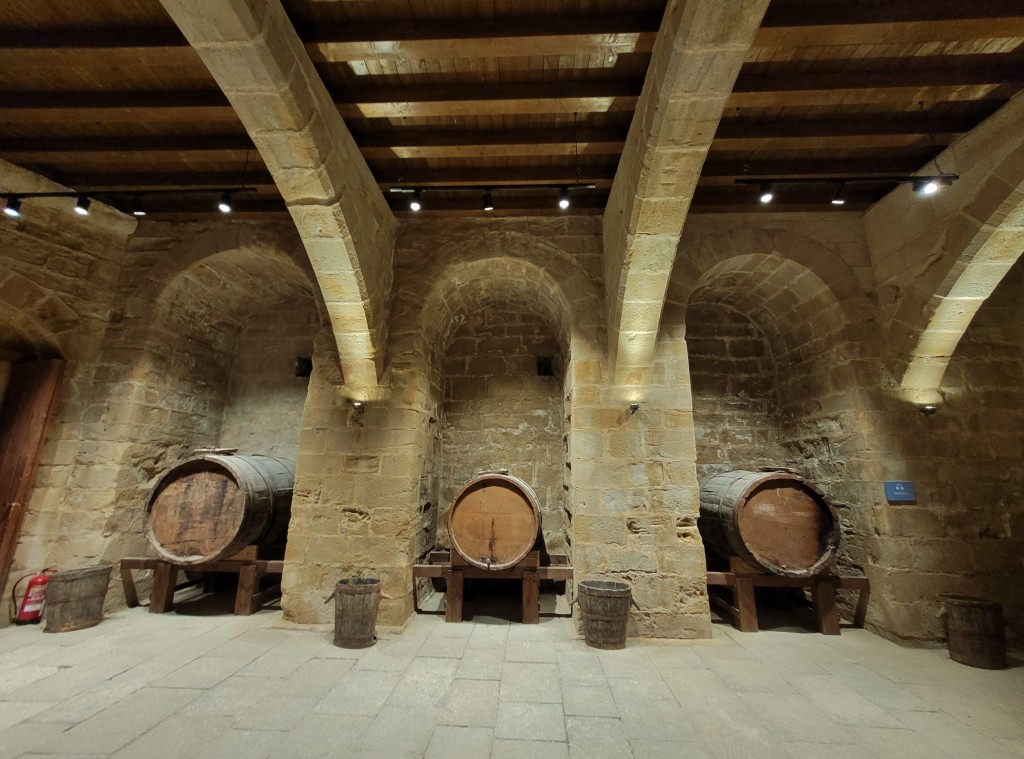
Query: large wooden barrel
[[775, 520], [215, 505], [494, 521]]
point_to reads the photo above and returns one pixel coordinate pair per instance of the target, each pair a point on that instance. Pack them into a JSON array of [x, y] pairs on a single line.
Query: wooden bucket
[[604, 607], [775, 520], [74, 600], [356, 601], [975, 631], [494, 521], [217, 504]]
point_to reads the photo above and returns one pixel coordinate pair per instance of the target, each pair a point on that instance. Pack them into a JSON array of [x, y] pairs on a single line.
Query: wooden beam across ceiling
[[601, 34], [368, 101], [886, 22]]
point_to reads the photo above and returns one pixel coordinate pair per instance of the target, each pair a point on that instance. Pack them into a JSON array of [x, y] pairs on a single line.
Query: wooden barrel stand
[[741, 607], [455, 570], [248, 599]]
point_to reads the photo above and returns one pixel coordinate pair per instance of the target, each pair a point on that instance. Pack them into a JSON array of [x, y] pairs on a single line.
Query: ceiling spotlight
[[563, 198], [488, 201], [926, 187], [225, 203], [137, 209], [82, 205], [767, 196], [416, 201], [840, 197], [13, 208]]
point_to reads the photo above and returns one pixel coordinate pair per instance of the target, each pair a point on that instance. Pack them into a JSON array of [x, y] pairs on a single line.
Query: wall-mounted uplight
[[13, 207], [634, 407], [927, 408], [358, 407], [82, 205]]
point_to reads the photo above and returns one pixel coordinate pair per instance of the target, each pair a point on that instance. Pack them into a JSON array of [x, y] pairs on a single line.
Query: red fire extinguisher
[[30, 611]]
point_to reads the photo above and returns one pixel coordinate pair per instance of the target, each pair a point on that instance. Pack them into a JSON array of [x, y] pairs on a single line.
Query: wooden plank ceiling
[[523, 96]]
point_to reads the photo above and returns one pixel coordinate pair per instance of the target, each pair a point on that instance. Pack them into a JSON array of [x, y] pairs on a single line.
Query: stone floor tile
[[656, 721], [359, 692], [380, 659], [316, 735], [481, 664], [251, 744], [523, 749], [450, 648], [581, 669], [794, 719], [527, 681], [287, 656], [317, 677], [550, 629], [28, 736], [20, 677], [739, 736], [450, 742], [274, 712], [425, 682], [648, 749], [817, 751], [648, 685], [398, 730], [952, 734], [472, 703], [488, 637], [842, 703], [531, 651], [13, 712], [588, 702], [202, 673], [591, 737], [542, 722], [177, 736], [888, 743], [121, 723]]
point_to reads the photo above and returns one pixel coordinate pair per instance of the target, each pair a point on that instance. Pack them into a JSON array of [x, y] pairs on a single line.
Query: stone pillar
[[634, 495]]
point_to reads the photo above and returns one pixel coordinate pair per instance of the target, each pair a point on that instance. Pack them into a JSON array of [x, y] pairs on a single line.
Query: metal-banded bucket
[[74, 599], [604, 607], [975, 631], [356, 601]]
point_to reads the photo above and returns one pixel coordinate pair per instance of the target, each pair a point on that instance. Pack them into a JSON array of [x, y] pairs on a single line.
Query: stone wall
[[499, 414], [263, 409], [965, 534], [735, 406]]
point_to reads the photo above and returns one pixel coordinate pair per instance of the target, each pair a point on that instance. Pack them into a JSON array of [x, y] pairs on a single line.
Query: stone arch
[[983, 242]]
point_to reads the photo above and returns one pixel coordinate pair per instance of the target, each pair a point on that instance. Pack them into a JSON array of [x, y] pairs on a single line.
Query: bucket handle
[[632, 602]]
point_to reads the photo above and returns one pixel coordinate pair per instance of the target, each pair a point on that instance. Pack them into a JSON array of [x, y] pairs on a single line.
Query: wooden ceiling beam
[[733, 128], [369, 101], [606, 34], [481, 38], [884, 22], [485, 177], [852, 167]]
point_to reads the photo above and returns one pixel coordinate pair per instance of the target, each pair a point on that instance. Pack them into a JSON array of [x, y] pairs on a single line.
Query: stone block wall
[[736, 416], [499, 413], [263, 407]]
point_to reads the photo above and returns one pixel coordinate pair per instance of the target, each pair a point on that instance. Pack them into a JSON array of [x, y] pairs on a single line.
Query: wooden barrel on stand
[[215, 505], [494, 521], [774, 520]]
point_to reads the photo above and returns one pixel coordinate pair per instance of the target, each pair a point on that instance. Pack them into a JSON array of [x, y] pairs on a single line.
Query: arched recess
[[210, 363], [496, 339], [775, 377]]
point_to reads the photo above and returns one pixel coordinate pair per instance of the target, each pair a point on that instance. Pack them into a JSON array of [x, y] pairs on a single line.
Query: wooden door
[[24, 417]]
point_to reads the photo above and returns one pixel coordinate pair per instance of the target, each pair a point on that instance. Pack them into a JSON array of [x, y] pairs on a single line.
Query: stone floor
[[202, 684]]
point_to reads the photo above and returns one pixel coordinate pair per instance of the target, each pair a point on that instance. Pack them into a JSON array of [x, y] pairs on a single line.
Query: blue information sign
[[900, 491]]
